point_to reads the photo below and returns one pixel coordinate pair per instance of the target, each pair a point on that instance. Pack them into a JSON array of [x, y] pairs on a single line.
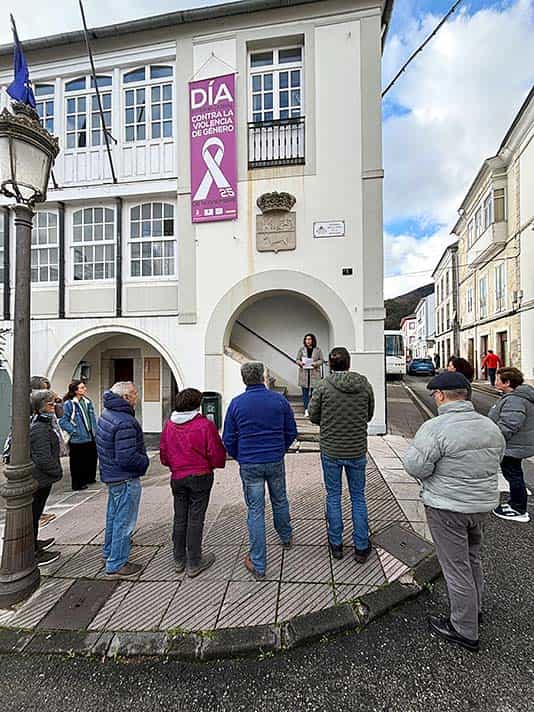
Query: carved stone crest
[[276, 227]]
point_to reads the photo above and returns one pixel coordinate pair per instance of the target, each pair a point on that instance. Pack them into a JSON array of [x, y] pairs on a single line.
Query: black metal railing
[[276, 143]]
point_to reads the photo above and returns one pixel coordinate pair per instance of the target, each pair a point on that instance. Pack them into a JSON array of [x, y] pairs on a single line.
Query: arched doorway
[[119, 354]]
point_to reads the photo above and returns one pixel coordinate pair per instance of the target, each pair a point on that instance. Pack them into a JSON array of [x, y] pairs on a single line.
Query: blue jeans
[[355, 471], [121, 518], [254, 478], [306, 395]]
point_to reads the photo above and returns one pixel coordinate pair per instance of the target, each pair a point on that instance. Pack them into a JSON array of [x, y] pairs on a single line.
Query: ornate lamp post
[[27, 153]]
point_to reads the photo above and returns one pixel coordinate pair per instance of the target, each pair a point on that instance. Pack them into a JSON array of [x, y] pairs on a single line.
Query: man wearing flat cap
[[456, 456]]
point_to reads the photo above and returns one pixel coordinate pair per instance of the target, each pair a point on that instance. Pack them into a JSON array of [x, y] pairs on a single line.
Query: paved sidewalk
[[75, 594]]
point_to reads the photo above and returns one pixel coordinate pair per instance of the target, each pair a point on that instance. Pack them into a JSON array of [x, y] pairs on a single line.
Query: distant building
[[424, 327], [496, 252], [407, 326], [445, 278]]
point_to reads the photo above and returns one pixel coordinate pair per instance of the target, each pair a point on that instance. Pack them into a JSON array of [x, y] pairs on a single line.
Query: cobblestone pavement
[[301, 580]]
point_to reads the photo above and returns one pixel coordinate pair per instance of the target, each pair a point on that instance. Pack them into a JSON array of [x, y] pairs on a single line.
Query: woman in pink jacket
[[191, 447]]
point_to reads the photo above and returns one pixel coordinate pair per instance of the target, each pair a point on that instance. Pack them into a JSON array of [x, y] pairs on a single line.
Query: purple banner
[[213, 149]]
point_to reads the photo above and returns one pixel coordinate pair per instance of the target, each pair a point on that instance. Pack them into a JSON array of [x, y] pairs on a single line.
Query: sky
[[446, 114]]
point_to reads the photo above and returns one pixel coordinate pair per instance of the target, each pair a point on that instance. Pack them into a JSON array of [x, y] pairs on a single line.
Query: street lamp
[[27, 153]]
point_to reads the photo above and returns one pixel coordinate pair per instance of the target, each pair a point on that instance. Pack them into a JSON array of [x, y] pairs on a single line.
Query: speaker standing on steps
[[310, 361]]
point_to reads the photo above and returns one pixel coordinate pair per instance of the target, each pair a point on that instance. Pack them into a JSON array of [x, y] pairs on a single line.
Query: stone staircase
[[308, 433]]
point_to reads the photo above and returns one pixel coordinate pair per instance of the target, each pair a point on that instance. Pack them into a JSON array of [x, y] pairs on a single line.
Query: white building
[[424, 328], [445, 278], [408, 328], [126, 285]]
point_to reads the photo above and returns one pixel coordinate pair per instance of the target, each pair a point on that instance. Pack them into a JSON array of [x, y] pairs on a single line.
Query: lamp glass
[[32, 168]]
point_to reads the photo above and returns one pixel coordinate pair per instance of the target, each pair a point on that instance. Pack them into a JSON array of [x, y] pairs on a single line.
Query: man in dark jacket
[[258, 431], [342, 404], [514, 415], [123, 460]]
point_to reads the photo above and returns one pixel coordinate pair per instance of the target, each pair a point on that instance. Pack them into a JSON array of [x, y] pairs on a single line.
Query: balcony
[[488, 244], [276, 143]]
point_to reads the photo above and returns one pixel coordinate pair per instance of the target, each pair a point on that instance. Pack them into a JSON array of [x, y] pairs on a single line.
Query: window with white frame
[[500, 287], [483, 297], [478, 223], [93, 244], [499, 208], [276, 83], [45, 247], [470, 233], [44, 105], [447, 284], [448, 322], [83, 119], [148, 103], [152, 240], [469, 300], [488, 211]]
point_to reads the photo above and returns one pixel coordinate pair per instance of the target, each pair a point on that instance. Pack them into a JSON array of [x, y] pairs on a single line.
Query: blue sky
[[447, 112]]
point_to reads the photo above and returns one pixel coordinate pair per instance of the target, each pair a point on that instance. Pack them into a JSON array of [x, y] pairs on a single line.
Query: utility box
[[212, 407]]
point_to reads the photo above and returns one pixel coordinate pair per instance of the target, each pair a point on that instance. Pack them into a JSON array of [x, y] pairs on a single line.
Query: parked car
[[421, 367]]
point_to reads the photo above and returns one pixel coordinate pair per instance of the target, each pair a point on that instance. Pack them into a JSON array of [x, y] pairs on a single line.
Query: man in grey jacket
[[514, 415], [342, 404], [456, 456]]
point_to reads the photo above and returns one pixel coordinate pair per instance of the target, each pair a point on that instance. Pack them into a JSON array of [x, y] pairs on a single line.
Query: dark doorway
[[123, 369], [502, 346], [471, 353]]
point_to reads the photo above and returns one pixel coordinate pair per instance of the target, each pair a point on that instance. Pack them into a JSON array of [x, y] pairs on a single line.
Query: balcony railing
[[276, 143]]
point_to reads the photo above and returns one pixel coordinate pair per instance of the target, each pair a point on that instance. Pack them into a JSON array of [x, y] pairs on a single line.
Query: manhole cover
[[403, 545], [79, 605]]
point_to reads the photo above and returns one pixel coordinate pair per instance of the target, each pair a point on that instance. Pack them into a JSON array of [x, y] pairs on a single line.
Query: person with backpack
[[191, 447], [79, 423]]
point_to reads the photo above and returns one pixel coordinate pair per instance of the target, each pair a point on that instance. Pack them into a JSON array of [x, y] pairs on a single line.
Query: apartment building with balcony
[[495, 252], [130, 278], [445, 278]]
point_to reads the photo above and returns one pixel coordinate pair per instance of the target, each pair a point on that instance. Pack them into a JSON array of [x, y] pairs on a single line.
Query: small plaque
[[329, 228]]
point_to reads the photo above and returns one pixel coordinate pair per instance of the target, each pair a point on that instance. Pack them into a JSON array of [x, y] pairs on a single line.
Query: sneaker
[[44, 558], [504, 511], [337, 550], [250, 568], [287, 545], [128, 569], [43, 544], [306, 414], [361, 555], [179, 566], [205, 562], [444, 628]]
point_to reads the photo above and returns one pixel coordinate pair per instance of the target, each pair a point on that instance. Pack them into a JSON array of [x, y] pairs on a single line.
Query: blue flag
[[20, 88]]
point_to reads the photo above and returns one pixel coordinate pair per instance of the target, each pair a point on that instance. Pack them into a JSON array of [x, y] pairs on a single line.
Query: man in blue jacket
[[123, 460], [258, 431]]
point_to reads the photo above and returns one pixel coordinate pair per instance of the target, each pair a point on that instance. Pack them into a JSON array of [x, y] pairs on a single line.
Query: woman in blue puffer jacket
[[79, 422]]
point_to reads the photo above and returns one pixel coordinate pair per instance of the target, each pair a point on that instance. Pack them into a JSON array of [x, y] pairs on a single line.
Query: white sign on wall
[[329, 228]]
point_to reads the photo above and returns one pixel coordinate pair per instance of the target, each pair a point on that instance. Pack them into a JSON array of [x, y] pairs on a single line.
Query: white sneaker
[[306, 414], [504, 511]]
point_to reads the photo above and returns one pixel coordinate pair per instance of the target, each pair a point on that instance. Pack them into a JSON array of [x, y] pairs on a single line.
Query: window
[[448, 322], [500, 287], [447, 284], [478, 223], [483, 297], [84, 125], [45, 250], [488, 211], [152, 240], [276, 84], [44, 99], [498, 204], [469, 299], [93, 243], [470, 233], [148, 103]]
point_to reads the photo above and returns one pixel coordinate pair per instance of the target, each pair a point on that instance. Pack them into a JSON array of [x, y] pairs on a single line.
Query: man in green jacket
[[342, 404]]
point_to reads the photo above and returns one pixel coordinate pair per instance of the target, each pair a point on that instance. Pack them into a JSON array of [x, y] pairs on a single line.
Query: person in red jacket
[[491, 362], [191, 447]]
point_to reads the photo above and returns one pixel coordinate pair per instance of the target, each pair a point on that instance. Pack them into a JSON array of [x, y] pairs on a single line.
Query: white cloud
[[463, 92]]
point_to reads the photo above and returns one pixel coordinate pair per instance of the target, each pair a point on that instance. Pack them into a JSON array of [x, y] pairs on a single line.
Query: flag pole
[[105, 131]]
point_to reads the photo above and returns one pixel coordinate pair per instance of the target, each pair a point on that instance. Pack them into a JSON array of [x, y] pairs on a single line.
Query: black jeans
[[39, 500], [491, 375], [513, 474], [83, 462], [191, 496]]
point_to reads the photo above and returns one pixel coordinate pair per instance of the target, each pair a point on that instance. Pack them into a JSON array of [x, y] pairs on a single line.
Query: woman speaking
[[309, 360]]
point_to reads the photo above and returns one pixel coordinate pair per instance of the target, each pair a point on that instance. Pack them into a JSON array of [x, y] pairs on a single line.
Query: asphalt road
[[482, 402]]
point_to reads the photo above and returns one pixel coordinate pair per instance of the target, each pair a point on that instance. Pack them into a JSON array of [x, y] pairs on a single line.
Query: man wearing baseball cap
[[456, 456]]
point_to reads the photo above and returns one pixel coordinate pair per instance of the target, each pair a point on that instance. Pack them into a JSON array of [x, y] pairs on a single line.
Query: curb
[[252, 641]]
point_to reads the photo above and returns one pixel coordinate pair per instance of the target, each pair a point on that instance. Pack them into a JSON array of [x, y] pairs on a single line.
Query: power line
[[463, 264], [421, 47]]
